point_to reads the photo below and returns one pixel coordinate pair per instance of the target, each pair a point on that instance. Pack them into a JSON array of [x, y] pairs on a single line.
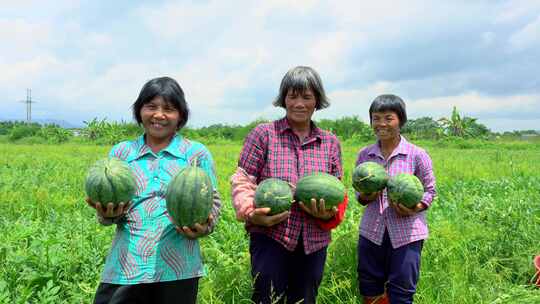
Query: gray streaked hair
[[389, 103], [299, 79]]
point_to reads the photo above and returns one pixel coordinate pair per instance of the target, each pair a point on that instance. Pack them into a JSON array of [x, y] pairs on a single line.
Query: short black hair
[[299, 79], [169, 90], [389, 103]]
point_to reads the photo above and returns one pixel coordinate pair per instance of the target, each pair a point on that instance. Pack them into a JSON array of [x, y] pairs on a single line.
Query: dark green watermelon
[[369, 177], [320, 185], [110, 181], [406, 189], [189, 197], [274, 194]]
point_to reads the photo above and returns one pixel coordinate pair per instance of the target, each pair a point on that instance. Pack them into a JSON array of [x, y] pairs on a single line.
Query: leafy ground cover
[[485, 228]]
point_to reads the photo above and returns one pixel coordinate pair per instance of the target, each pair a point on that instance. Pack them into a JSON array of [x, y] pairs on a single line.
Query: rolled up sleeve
[[424, 171]]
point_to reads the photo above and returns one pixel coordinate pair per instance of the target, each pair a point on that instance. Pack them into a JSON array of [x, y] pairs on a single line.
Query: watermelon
[[320, 185], [369, 177], [274, 194], [405, 189], [189, 197], [110, 181]]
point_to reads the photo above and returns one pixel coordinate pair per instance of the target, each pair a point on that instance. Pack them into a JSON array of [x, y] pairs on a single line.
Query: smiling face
[[300, 106], [385, 125], [160, 119]]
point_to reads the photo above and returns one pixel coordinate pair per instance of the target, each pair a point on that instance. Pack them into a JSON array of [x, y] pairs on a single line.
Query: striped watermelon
[[320, 185], [110, 181], [189, 197], [405, 189], [274, 194], [369, 177]]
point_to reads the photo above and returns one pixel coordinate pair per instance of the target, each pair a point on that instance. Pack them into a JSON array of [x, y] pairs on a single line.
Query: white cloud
[[37, 6], [502, 124], [474, 104], [357, 102], [329, 54], [24, 73], [488, 38], [177, 20], [230, 56], [112, 93], [270, 7], [98, 40], [514, 11], [528, 36], [354, 102], [21, 38]]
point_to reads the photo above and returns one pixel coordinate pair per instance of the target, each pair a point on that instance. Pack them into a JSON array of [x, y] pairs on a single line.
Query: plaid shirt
[[273, 150], [378, 217]]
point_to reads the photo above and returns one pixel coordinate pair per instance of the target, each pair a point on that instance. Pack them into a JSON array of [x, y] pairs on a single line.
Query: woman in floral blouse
[[151, 260]]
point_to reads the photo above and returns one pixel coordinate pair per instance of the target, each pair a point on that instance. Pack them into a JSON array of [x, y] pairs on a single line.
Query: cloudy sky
[[86, 59]]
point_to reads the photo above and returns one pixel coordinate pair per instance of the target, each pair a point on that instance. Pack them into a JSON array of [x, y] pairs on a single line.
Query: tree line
[[350, 128]]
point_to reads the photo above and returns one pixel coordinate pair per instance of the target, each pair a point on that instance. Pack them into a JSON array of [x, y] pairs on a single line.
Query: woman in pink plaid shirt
[[288, 250], [391, 235]]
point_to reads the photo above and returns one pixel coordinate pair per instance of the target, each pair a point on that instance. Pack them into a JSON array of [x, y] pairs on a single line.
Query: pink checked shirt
[[379, 216], [273, 150]]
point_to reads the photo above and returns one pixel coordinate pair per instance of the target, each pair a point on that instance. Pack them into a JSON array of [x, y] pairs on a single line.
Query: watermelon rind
[[320, 186], [189, 197], [405, 189], [110, 181], [275, 194], [369, 177]]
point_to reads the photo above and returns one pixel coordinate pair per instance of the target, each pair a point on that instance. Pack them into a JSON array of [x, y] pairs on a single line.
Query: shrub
[[23, 130], [54, 134]]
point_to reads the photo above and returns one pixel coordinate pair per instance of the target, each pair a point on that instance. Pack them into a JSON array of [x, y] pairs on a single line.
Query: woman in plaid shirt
[[391, 235], [288, 250]]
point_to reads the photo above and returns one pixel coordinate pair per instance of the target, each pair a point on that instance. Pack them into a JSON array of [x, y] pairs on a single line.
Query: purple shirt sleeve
[[337, 168], [424, 171], [360, 159]]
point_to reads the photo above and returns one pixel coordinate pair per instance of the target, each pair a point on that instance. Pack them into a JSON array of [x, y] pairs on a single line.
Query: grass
[[484, 229]]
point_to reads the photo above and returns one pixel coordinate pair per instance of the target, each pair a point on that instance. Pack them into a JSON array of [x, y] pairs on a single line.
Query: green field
[[484, 225]]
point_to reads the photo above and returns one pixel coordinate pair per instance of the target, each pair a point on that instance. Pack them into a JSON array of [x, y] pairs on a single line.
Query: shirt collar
[[283, 124], [173, 148], [400, 149]]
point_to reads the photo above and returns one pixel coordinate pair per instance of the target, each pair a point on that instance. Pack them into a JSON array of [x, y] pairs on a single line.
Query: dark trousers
[[181, 292], [397, 269], [291, 277]]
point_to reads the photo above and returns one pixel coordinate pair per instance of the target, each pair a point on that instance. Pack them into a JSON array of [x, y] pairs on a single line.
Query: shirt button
[[155, 178]]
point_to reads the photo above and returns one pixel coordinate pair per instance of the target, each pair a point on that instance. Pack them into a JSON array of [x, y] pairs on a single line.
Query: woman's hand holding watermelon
[[318, 211], [404, 211], [259, 216], [198, 230], [366, 198], [110, 210]]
